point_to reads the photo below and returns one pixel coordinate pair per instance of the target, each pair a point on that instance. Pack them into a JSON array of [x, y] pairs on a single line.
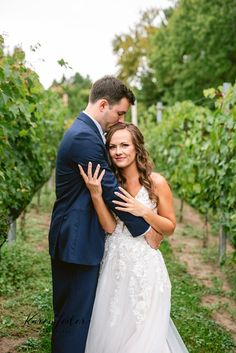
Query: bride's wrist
[[96, 196], [145, 212]]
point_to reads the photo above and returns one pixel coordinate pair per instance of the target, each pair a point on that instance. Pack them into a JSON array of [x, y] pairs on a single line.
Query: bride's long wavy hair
[[143, 161]]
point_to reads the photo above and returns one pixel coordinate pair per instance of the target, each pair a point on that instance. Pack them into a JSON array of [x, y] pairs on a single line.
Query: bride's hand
[[154, 238], [131, 205], [93, 181]]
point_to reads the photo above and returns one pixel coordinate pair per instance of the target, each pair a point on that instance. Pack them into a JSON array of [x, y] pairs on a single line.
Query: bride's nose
[[118, 150]]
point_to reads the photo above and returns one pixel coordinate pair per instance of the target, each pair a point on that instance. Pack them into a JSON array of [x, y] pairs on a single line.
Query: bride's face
[[121, 149]]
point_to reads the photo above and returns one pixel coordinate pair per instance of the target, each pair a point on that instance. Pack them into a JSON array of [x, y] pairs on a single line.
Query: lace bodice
[[134, 264], [143, 197]]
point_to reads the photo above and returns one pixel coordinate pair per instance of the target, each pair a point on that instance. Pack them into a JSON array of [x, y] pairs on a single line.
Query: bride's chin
[[119, 166]]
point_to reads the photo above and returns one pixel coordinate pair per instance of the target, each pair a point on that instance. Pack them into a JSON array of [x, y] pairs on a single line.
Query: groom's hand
[[154, 238]]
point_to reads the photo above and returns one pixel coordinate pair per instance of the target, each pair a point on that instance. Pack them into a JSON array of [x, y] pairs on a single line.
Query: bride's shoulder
[[158, 179], [160, 183]]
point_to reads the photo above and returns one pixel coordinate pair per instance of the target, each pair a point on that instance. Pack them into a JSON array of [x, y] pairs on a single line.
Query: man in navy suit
[[76, 239]]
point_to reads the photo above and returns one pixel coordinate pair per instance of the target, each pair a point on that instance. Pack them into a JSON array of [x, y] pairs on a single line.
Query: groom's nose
[[121, 119]]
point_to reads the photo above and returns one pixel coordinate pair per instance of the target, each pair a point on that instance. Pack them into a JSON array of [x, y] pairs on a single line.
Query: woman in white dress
[[131, 312]]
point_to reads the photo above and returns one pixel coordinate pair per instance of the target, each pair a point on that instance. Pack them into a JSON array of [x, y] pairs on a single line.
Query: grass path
[[219, 295], [203, 300]]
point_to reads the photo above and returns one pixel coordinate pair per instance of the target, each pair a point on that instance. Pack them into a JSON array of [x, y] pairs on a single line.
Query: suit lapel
[[86, 119]]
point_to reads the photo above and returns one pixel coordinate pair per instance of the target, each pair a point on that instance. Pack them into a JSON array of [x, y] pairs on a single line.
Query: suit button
[[64, 217]]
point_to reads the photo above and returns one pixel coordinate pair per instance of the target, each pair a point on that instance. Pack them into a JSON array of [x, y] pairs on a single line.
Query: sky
[[79, 31]]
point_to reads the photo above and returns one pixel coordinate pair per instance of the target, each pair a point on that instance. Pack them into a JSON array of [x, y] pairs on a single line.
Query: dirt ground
[[188, 250], [8, 345]]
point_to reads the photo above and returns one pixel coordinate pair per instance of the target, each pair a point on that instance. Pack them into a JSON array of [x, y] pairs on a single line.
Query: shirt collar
[[98, 126]]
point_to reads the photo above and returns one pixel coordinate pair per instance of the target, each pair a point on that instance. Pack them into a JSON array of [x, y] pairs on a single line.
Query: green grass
[[229, 268], [199, 332], [25, 286], [189, 230]]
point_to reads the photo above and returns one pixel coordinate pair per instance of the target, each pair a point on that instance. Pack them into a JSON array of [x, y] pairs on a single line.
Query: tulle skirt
[[131, 312]]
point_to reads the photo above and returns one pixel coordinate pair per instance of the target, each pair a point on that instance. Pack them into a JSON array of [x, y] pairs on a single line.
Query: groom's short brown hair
[[111, 89]]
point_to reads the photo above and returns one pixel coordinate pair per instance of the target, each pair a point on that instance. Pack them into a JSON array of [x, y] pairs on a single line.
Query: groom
[[76, 239]]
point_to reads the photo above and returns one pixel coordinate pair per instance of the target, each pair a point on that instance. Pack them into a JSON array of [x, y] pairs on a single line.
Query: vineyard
[[193, 145], [195, 148], [31, 125]]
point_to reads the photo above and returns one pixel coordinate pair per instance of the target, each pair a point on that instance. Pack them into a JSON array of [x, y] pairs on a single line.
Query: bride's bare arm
[[93, 183], [164, 221]]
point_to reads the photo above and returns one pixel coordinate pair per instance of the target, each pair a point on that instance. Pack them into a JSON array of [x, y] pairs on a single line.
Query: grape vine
[[195, 148], [31, 125]]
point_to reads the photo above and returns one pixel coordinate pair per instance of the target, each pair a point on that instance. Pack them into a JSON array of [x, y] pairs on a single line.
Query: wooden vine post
[[223, 232]]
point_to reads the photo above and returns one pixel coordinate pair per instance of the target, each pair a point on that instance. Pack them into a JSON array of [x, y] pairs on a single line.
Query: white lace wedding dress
[[131, 311]]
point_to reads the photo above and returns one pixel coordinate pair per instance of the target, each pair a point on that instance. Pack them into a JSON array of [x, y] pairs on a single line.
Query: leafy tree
[[132, 48], [175, 55], [196, 50], [77, 90]]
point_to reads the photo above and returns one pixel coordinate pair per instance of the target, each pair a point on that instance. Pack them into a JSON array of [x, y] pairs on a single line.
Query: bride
[[131, 312]]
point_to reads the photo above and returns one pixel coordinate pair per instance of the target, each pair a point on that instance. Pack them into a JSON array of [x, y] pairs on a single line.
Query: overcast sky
[[79, 31]]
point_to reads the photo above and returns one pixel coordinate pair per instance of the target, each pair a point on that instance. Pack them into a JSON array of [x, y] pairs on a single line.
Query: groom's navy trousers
[[74, 289], [76, 239]]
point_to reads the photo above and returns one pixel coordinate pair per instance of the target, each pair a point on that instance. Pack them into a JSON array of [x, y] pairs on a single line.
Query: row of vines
[[31, 125], [195, 148]]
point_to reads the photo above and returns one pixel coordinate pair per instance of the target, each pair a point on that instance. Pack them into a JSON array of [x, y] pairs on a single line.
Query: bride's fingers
[[121, 196], [125, 192], [123, 209], [95, 175], [83, 174], [101, 176], [89, 171], [124, 204]]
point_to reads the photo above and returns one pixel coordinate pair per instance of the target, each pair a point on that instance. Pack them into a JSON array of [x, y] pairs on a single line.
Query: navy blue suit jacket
[[75, 234]]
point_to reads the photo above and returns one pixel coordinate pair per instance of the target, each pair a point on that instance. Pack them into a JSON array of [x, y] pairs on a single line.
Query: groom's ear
[[102, 104]]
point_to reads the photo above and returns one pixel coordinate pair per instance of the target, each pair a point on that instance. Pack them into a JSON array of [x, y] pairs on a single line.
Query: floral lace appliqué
[[135, 265]]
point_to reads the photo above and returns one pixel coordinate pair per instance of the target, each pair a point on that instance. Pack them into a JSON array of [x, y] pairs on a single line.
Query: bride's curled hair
[[144, 163]]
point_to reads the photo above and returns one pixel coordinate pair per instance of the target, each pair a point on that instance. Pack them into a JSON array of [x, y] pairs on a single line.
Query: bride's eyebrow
[[120, 143]]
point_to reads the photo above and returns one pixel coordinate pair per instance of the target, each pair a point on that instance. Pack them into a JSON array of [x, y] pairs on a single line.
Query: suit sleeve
[[88, 148]]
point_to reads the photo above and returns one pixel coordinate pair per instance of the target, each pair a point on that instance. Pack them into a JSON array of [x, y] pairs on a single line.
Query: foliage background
[[31, 125]]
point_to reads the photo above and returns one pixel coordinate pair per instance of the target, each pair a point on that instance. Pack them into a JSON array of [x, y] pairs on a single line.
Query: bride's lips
[[118, 159]]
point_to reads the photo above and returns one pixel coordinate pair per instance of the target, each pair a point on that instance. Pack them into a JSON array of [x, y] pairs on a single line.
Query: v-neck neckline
[[138, 192]]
